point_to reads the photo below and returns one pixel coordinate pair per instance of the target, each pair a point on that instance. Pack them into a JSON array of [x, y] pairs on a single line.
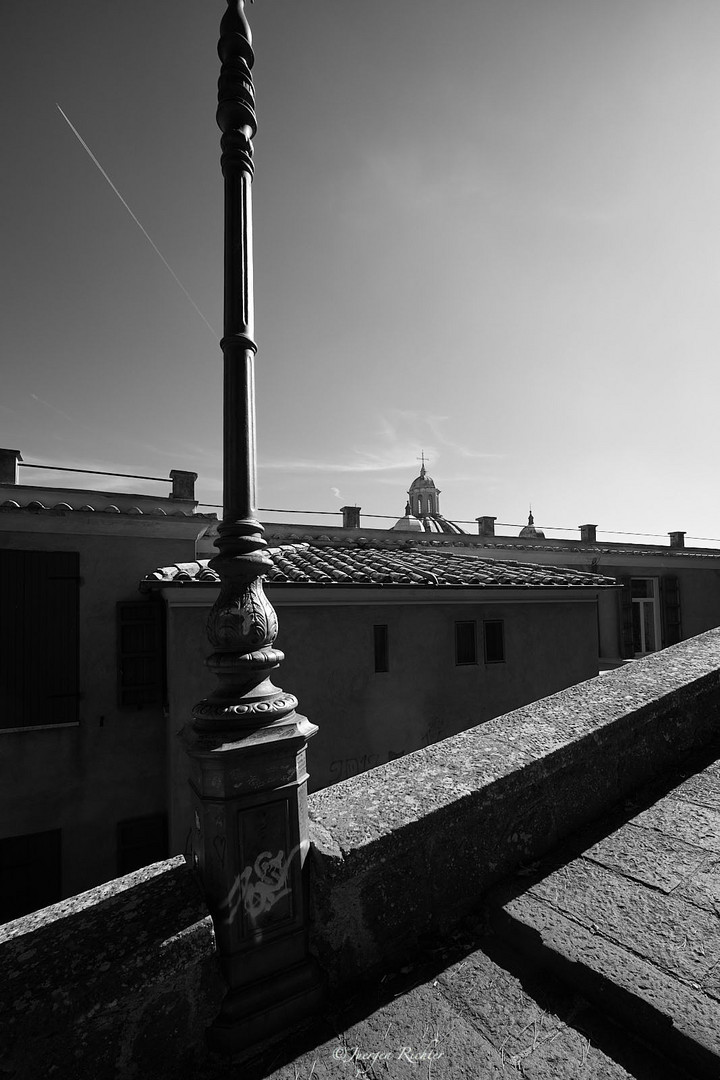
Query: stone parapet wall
[[406, 849], [120, 981]]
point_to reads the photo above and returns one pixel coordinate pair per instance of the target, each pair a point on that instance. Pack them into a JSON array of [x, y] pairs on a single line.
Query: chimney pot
[[486, 526], [9, 461], [677, 539], [183, 484], [351, 517], [588, 533]]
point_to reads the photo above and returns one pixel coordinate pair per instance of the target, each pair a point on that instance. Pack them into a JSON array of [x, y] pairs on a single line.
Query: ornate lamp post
[[246, 743]]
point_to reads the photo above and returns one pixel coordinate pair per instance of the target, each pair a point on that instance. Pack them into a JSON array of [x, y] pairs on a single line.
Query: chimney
[[486, 526], [351, 517], [588, 533], [9, 461], [183, 484], [677, 539]]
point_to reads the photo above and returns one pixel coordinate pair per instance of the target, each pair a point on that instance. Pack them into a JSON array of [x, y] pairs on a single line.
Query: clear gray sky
[[488, 229]]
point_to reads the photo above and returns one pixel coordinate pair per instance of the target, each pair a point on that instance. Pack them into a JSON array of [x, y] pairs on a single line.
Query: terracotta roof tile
[[374, 566]]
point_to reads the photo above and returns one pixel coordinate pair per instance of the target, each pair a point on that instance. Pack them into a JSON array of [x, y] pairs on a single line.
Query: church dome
[[437, 523], [408, 523], [529, 531], [422, 512], [423, 482]]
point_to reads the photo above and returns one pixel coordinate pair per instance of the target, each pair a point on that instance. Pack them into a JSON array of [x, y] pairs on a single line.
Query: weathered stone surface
[[98, 985], [711, 983], [633, 923], [669, 1013], [703, 788], [703, 888], [688, 821], [472, 1020], [677, 938], [533, 1038], [647, 856]]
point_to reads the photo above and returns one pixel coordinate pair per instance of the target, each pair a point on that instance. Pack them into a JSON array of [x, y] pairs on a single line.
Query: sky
[[486, 230]]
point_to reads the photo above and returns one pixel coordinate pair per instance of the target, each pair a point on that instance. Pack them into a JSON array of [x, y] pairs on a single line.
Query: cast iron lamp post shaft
[[238, 123], [247, 745]]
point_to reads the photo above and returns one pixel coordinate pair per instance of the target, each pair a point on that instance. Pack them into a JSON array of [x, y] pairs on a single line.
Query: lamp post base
[[266, 1009]]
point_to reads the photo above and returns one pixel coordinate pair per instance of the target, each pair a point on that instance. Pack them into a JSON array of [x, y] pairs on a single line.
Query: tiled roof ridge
[[434, 540], [37, 507]]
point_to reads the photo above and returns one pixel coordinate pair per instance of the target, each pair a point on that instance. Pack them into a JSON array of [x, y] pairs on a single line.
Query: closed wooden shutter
[[670, 600], [39, 627], [627, 647], [141, 666]]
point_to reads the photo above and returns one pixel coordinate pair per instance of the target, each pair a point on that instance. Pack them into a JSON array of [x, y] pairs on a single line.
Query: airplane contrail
[[139, 224]]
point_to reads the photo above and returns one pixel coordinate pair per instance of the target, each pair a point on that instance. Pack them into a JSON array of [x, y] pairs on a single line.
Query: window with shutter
[[141, 667], [640, 611], [39, 631], [494, 633], [465, 643]]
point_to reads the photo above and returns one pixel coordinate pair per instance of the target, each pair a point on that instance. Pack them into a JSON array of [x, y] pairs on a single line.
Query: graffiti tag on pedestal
[[260, 886]]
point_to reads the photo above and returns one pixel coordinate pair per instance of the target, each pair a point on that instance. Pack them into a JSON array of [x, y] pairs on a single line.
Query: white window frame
[[654, 600]]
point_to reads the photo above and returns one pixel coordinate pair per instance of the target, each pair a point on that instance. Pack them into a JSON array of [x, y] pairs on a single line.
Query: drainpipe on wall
[[246, 742]]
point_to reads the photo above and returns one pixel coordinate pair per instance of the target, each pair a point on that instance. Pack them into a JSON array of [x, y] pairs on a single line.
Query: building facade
[[389, 648], [83, 756]]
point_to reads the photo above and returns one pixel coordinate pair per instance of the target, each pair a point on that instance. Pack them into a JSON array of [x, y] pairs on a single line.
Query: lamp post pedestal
[[250, 845]]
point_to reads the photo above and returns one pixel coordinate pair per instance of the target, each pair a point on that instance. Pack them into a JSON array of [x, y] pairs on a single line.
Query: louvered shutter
[[39, 627], [627, 646], [670, 600], [58, 580], [140, 653]]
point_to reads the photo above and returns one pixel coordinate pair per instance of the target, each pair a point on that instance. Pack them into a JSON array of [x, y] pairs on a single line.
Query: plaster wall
[[368, 718], [111, 767]]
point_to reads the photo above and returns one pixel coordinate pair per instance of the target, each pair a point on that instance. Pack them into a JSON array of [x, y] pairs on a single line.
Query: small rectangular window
[[494, 631], [465, 643], [380, 635]]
